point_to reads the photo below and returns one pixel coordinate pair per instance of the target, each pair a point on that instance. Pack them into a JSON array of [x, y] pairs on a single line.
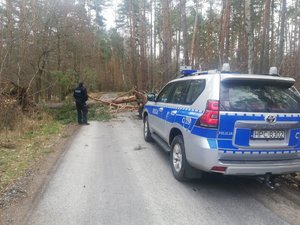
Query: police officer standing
[[80, 95]]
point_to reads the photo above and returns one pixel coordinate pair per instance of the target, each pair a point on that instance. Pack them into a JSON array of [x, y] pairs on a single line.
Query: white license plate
[[268, 134]]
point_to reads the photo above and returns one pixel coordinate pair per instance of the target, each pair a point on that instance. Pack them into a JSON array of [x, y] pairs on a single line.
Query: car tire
[[181, 169], [147, 133], [178, 158]]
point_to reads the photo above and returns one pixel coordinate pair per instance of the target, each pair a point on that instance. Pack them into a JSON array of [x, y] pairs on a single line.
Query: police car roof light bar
[[188, 72]]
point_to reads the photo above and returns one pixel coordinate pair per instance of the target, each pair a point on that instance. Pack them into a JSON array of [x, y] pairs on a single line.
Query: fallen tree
[[15, 92], [135, 101], [112, 105]]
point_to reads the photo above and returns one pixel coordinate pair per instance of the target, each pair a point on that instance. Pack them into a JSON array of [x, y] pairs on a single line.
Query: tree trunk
[[272, 41], [221, 35], [184, 32], [264, 52], [227, 29], [194, 35], [10, 28], [166, 40], [250, 37], [281, 37], [142, 43], [224, 34], [133, 60]]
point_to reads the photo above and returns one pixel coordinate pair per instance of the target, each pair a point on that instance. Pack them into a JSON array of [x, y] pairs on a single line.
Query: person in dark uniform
[[80, 95]]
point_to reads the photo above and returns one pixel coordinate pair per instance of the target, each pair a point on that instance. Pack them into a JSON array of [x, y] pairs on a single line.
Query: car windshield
[[259, 97]]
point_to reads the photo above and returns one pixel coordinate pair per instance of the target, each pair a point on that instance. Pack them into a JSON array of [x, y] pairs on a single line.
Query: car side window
[[179, 92], [164, 95], [195, 89]]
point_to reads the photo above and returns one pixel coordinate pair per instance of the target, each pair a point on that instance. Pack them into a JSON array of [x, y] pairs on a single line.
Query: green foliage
[[90, 78], [293, 13], [66, 80], [99, 113], [117, 42], [105, 46], [65, 114], [68, 114]]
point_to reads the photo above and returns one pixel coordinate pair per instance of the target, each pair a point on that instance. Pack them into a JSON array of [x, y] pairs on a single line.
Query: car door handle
[[173, 113], [161, 109]]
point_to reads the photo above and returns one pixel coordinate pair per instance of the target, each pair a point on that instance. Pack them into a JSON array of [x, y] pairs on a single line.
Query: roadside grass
[[20, 151], [22, 147]]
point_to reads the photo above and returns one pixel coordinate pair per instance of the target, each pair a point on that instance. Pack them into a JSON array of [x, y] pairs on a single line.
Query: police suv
[[234, 124]]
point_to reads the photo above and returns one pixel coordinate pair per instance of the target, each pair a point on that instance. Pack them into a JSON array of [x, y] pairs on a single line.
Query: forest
[[47, 46]]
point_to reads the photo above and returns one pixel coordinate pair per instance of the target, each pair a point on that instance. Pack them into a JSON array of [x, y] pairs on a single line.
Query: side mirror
[[151, 97]]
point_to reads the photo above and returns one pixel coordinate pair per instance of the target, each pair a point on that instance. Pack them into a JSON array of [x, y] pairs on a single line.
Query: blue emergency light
[[187, 72]]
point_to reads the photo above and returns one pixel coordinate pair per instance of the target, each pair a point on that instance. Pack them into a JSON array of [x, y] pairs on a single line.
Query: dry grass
[[23, 140]]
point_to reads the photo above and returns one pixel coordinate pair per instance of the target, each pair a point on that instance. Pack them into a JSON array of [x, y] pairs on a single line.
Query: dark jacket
[[80, 94]]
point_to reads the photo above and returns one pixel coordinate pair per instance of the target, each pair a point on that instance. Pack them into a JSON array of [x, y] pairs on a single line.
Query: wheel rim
[[146, 128], [177, 158]]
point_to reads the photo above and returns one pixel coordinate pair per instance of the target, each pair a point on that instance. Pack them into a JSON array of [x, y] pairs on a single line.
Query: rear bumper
[[261, 168], [203, 157]]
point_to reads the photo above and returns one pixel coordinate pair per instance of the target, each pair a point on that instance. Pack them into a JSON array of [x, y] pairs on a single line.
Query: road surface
[[110, 175]]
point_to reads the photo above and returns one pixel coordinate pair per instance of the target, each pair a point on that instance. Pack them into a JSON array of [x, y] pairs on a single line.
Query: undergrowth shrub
[[65, 114], [10, 115], [15, 122]]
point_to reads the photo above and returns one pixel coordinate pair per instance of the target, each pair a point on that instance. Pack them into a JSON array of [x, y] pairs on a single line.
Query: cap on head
[[80, 84]]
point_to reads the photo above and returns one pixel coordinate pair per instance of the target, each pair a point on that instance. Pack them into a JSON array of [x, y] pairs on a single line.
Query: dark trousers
[[82, 111]]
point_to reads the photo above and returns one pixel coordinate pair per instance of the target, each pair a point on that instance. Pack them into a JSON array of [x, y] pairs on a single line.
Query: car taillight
[[210, 117], [219, 169]]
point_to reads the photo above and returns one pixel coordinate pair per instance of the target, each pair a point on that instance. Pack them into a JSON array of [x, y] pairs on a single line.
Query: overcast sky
[[110, 13]]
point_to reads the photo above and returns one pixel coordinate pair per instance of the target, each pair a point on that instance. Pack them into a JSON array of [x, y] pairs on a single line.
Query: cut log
[[125, 99], [112, 104]]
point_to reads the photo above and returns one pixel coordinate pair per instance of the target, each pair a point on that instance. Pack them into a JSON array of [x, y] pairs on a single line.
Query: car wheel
[[147, 133], [181, 169], [179, 164]]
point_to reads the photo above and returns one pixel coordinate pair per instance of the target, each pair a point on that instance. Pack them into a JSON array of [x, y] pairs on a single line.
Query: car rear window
[[259, 97]]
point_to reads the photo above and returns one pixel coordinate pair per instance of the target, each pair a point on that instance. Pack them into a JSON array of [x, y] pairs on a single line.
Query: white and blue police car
[[234, 124]]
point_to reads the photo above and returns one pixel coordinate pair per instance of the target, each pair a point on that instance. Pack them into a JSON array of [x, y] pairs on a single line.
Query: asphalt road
[[110, 175]]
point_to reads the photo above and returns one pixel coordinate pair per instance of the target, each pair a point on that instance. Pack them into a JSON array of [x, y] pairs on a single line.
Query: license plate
[[268, 134]]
